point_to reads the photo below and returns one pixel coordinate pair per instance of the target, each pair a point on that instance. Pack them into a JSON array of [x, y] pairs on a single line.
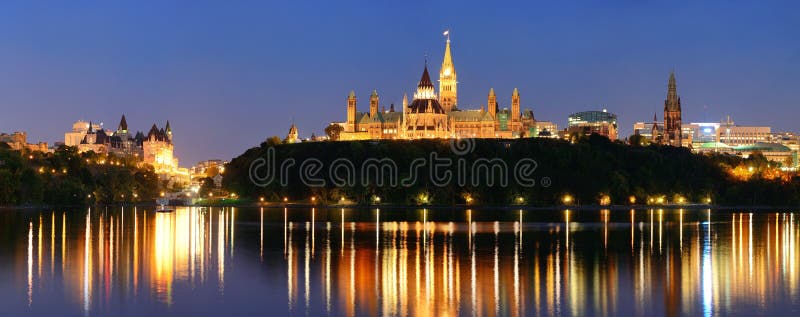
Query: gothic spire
[[123, 124], [448, 68], [425, 81], [673, 102]]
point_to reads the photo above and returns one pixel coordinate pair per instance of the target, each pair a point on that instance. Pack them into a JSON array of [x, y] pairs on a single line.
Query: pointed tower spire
[[168, 132], [448, 92], [425, 80], [491, 103], [123, 125], [374, 101], [672, 114]]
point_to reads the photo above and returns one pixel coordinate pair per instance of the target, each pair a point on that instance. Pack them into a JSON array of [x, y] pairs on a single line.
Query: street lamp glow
[[285, 199], [261, 199], [632, 199], [567, 199]]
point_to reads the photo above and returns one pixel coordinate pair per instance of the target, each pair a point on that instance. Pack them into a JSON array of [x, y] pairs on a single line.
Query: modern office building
[[587, 122]]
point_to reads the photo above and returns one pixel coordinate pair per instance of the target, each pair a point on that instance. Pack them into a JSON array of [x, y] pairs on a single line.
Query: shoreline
[[431, 207]]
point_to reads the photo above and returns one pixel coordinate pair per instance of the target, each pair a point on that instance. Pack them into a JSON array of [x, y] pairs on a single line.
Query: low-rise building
[[589, 122], [19, 141]]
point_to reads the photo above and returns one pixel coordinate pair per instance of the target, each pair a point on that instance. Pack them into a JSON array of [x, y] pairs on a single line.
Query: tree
[[333, 131], [788, 161], [272, 141], [206, 186], [638, 140], [7, 186]]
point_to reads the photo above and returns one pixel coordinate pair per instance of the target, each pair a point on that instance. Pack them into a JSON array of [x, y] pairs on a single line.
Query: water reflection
[[389, 262]]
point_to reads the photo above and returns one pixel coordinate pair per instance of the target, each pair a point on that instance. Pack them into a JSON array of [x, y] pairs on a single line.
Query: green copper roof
[[714, 145], [763, 147], [470, 116]]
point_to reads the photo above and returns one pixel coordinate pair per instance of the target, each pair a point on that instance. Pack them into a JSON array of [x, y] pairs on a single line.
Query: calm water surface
[[234, 261]]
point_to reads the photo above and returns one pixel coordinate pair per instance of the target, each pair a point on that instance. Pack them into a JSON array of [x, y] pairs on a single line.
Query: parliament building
[[436, 115]]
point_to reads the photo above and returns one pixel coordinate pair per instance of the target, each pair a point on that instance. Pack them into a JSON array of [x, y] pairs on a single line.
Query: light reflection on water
[[207, 261]]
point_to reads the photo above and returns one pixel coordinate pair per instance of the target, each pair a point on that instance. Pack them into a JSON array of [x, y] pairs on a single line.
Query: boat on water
[[163, 202]]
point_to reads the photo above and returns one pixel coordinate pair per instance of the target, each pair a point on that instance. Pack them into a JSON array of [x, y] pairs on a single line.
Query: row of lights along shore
[[566, 199]]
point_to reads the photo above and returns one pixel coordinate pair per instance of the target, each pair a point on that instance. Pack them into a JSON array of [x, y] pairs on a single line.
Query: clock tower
[[448, 94]]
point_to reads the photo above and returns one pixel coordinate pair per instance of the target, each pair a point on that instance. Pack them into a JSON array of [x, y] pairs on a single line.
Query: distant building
[[544, 129], [727, 137], [673, 132], [78, 132], [19, 141], [156, 148], [292, 136], [429, 115], [649, 130], [213, 169], [588, 122]]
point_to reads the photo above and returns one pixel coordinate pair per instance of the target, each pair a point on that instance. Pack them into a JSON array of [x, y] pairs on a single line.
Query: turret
[[168, 132], [515, 106], [491, 103], [123, 125], [351, 112], [373, 103]]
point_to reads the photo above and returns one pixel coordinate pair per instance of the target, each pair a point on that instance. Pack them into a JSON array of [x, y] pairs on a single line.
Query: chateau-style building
[[155, 148], [432, 115]]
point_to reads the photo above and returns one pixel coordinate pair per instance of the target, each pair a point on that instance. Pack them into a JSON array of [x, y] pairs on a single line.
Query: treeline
[[588, 171], [66, 177]]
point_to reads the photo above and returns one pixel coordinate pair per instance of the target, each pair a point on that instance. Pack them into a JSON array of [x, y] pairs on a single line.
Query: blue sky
[[228, 74]]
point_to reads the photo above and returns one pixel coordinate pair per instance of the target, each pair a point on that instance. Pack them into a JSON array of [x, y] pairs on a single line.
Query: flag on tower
[[446, 32]]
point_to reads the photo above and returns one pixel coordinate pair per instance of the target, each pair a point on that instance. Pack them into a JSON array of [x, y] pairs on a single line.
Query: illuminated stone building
[[292, 136], [432, 115], [19, 141], [155, 148], [78, 132]]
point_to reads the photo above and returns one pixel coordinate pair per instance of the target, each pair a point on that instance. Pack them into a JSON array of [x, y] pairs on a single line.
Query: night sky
[[228, 74]]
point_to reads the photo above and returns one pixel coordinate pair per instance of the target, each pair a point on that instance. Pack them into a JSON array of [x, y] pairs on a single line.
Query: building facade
[[18, 141], [155, 148], [432, 115], [588, 122]]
